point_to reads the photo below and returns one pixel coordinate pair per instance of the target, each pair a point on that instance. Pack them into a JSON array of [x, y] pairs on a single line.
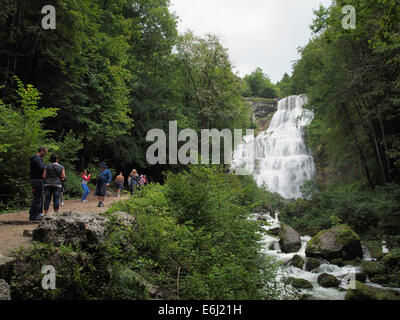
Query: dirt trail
[[13, 225]]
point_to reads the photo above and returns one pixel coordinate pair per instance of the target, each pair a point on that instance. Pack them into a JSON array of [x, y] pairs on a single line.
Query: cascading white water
[[278, 158]]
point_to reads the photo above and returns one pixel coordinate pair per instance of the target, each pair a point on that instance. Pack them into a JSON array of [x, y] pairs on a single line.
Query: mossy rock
[[312, 264], [328, 281], [338, 242], [297, 261], [365, 292], [392, 260], [339, 262], [299, 283], [361, 276], [394, 280], [373, 268], [380, 279]]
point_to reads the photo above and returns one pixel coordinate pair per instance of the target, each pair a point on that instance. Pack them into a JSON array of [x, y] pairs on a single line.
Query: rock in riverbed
[[289, 239], [338, 242], [328, 281], [365, 292]]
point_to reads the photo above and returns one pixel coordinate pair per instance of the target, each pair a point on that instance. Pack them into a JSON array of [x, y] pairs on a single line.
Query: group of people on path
[[48, 182]]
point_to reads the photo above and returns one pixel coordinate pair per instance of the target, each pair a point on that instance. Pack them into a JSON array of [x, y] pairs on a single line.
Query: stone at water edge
[[338, 242], [299, 283], [4, 290], [312, 263], [366, 292], [328, 281], [297, 261], [289, 239]]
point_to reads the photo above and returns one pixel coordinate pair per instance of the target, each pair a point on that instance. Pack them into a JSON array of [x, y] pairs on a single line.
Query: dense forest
[[94, 87], [91, 89], [352, 80]]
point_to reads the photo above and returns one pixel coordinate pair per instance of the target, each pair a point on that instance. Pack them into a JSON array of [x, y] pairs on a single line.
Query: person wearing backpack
[[134, 182], [53, 176], [103, 181]]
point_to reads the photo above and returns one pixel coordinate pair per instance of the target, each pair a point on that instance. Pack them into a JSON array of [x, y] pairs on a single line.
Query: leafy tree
[[352, 80], [260, 85], [21, 133], [285, 86]]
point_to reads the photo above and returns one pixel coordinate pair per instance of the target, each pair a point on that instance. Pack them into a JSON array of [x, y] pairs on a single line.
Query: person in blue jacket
[[103, 181]]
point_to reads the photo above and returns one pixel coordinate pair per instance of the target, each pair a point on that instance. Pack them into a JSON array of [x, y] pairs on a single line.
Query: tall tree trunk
[[372, 138], [358, 144]]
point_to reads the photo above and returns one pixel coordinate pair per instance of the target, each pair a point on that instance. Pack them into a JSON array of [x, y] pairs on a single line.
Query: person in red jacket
[[85, 180]]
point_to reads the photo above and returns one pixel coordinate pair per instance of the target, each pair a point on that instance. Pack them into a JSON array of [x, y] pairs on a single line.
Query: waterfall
[[278, 158]]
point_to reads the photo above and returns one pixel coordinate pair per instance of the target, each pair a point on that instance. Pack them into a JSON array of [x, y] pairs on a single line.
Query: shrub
[[195, 240]]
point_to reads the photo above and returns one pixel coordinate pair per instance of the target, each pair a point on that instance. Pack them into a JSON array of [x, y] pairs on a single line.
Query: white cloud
[[258, 33]]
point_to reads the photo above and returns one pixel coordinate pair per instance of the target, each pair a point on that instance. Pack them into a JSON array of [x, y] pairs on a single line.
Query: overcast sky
[[258, 33]]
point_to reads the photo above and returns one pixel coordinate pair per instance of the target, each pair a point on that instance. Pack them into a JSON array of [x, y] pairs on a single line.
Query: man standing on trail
[[36, 175], [103, 181]]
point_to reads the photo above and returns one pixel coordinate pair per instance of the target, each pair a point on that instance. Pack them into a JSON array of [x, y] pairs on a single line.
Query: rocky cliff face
[[263, 109]]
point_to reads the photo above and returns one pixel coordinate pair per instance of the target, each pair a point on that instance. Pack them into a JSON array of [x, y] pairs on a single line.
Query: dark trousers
[[37, 201], [55, 192]]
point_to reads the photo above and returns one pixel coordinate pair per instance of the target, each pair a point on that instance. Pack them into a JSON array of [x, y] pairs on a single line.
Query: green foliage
[[351, 78], [75, 274], [21, 133], [370, 212], [195, 241], [285, 86], [259, 85]]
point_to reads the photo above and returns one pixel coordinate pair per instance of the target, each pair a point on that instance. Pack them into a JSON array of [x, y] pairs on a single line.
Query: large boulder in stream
[[297, 261], [312, 264], [299, 283], [77, 228], [289, 239], [366, 292], [327, 280], [338, 242]]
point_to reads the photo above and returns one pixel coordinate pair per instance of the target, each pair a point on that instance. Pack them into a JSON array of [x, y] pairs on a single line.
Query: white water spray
[[278, 158]]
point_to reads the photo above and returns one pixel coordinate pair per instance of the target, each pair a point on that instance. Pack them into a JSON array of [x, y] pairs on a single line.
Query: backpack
[[55, 170]]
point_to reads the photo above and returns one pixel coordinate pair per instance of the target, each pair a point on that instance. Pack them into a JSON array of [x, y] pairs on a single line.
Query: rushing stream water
[[281, 162], [271, 248]]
